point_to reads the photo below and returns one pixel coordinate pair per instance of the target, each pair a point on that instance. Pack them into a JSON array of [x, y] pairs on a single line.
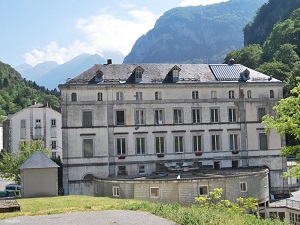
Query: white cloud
[[104, 33], [200, 2]]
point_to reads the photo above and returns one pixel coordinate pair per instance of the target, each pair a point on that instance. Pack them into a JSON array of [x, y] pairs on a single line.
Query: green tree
[[287, 122], [9, 165]]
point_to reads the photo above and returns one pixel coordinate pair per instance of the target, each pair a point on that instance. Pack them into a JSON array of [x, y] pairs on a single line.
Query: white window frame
[[120, 143], [178, 116], [196, 115], [233, 142], [203, 186], [38, 123], [231, 94], [215, 142], [53, 122], [83, 149], [119, 96], [141, 171], [138, 95], [195, 95], [249, 94], [232, 115], [197, 143], [100, 96], [53, 144], [178, 144], [243, 186], [214, 115], [139, 117], [140, 142], [159, 116], [213, 94], [161, 146], [116, 191], [154, 196], [158, 95]]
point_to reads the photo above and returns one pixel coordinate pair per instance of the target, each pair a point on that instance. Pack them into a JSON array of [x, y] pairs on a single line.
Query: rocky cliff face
[[198, 34]]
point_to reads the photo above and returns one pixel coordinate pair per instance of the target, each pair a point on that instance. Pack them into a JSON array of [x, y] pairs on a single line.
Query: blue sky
[[34, 31]]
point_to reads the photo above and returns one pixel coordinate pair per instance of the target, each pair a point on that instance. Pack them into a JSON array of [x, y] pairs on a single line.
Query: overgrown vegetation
[[9, 165], [17, 93], [193, 215]]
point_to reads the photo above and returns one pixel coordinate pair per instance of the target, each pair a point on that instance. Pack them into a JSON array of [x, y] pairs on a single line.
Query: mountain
[[23, 67], [33, 73], [50, 74], [275, 11], [195, 34], [17, 93]]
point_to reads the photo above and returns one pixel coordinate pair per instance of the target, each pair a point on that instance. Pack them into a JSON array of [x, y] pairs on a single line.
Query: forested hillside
[[17, 93], [279, 55], [257, 31]]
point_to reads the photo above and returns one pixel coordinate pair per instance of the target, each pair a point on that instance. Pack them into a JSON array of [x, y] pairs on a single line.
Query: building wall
[[184, 191], [1, 137], [105, 161], [14, 134], [39, 182]]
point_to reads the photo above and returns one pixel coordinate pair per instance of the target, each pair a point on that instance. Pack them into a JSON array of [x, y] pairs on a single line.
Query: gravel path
[[110, 217]]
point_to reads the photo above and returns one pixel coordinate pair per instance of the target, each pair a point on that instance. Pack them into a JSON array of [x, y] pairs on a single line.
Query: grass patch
[[193, 215]]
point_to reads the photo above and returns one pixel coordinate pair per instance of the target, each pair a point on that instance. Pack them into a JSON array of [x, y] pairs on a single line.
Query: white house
[[130, 120], [36, 122]]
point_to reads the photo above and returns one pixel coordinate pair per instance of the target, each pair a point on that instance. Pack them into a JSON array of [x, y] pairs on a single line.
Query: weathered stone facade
[[133, 120]]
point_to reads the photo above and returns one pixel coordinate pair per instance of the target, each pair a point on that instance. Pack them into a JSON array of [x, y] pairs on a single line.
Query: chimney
[[109, 61]]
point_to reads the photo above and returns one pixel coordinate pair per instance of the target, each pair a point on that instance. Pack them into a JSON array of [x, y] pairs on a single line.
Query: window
[[214, 115], [158, 116], [271, 93], [196, 115], [139, 96], [88, 146], [53, 154], [74, 97], [249, 94], [120, 117], [215, 142], [197, 143], [260, 113], [53, 122], [37, 123], [232, 115], [213, 94], [231, 94], [138, 74], [140, 145], [178, 116], [139, 117], [263, 141], [195, 95], [203, 190], [23, 124], [217, 165], [87, 118], [159, 145], [158, 95], [235, 164], [119, 96], [154, 192], [175, 73], [122, 170], [53, 144], [233, 140], [121, 146], [178, 144], [243, 186], [100, 97], [141, 169], [116, 191]]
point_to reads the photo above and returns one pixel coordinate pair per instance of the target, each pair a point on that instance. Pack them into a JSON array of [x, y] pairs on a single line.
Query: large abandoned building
[[133, 130]]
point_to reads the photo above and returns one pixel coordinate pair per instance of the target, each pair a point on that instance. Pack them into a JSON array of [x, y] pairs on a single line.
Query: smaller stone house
[[39, 176]]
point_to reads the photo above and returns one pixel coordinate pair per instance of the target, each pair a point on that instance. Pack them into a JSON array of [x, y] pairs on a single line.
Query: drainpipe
[[107, 130]]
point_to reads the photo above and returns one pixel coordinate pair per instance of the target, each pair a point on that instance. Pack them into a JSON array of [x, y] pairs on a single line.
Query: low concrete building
[[184, 187], [39, 177]]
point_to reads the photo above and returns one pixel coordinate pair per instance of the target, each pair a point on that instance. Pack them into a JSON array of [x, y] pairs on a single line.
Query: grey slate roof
[[158, 73], [38, 160]]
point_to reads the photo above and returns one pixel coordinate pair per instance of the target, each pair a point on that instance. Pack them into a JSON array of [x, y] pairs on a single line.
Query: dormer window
[[98, 76], [138, 74], [175, 73]]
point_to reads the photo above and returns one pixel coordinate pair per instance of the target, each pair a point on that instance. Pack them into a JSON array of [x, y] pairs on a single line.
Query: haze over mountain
[[196, 34], [50, 74]]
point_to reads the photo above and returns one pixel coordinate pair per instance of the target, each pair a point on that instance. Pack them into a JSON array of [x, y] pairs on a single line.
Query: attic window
[[175, 73], [138, 74], [98, 76]]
